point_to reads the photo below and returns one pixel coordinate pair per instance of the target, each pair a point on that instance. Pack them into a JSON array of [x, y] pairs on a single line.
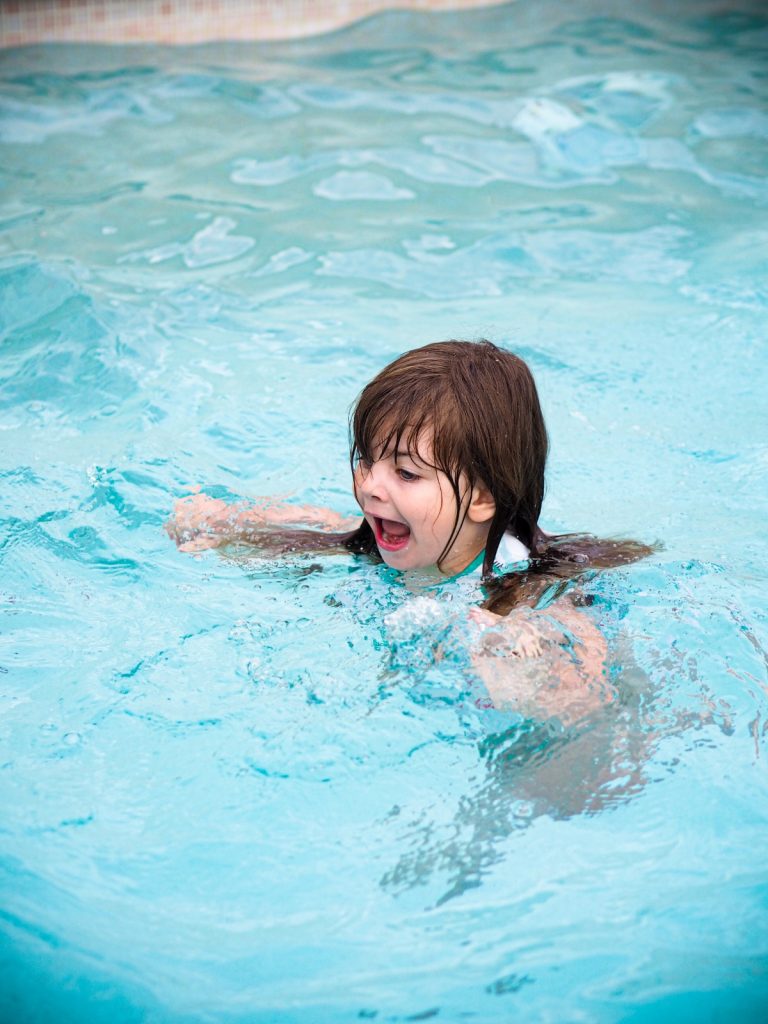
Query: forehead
[[409, 441]]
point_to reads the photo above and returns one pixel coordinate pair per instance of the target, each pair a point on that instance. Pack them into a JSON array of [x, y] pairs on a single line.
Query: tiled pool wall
[[24, 22]]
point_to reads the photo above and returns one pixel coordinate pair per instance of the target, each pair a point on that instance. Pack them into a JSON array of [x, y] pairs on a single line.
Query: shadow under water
[[535, 769]]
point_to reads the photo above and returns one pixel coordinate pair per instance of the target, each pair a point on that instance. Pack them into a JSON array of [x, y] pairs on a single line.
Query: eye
[[406, 475]]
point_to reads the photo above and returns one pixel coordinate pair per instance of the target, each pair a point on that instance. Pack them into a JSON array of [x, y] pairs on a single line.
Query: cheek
[[446, 509], [439, 512]]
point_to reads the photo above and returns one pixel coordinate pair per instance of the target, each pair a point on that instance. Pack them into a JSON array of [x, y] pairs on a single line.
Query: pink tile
[[183, 21]]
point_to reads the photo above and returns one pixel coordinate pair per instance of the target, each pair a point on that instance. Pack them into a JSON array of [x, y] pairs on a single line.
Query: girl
[[448, 450]]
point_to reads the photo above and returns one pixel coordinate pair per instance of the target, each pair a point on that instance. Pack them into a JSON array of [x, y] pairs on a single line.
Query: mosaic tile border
[[24, 22]]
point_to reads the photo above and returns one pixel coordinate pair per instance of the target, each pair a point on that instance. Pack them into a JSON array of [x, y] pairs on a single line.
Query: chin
[[397, 560], [394, 559]]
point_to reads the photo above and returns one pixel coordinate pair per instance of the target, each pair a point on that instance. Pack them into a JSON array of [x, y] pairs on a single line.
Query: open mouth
[[391, 535]]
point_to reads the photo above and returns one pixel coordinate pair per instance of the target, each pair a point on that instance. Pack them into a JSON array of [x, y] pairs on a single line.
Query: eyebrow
[[413, 456]]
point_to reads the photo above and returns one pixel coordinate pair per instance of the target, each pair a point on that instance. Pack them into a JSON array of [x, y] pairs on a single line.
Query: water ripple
[[212, 244], [494, 264], [349, 185]]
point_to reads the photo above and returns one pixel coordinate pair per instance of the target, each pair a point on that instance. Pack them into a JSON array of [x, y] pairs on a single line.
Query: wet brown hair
[[479, 404]]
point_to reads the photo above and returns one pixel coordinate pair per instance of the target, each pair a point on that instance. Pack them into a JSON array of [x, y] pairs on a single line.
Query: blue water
[[246, 790]]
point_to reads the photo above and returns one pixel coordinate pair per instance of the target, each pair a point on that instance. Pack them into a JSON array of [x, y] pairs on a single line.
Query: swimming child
[[448, 451]]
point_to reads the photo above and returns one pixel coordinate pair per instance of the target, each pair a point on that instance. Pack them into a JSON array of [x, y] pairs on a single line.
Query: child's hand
[[527, 637], [544, 664], [200, 522]]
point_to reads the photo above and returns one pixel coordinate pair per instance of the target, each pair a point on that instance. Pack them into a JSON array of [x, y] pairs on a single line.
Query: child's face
[[411, 509]]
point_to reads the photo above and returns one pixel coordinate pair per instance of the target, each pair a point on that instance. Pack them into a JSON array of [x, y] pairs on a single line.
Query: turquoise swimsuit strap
[[473, 566]]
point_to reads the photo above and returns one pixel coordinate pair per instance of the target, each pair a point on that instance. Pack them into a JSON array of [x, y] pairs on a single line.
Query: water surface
[[236, 789]]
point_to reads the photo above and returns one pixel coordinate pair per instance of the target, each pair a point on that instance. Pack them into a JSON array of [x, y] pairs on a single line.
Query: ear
[[482, 507]]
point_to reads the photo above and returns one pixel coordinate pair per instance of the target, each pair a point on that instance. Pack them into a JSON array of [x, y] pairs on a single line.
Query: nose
[[370, 482]]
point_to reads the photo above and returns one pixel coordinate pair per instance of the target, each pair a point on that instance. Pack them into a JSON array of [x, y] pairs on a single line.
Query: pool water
[[241, 789]]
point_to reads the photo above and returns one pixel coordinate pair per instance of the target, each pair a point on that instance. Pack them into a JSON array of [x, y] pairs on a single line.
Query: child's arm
[[550, 663], [199, 521]]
